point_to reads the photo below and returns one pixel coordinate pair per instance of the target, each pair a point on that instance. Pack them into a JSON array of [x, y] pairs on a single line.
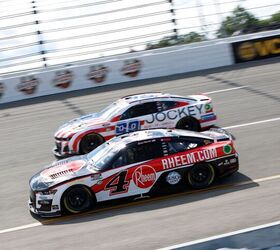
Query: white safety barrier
[[122, 68]]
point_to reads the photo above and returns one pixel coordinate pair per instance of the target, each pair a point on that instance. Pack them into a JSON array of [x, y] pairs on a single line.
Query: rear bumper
[[208, 120], [227, 165]]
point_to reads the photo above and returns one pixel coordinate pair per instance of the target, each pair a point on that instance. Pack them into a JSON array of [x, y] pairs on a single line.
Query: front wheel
[[201, 175], [188, 123], [90, 142], [77, 199]]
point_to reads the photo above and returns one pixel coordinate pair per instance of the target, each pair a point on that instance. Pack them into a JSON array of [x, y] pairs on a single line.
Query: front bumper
[[43, 206], [61, 149], [59, 154], [35, 211]]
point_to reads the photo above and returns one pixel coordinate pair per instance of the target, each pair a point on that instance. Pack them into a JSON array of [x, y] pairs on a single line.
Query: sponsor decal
[[126, 127], [175, 113], [256, 49], [208, 106], [2, 89], [208, 117], [28, 84], [227, 162], [131, 67], [144, 176], [189, 158], [63, 79], [173, 178], [95, 177], [227, 149], [97, 73]]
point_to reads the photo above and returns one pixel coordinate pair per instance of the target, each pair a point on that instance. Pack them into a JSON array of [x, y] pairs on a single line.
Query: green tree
[[175, 40], [275, 17], [192, 37], [238, 20]]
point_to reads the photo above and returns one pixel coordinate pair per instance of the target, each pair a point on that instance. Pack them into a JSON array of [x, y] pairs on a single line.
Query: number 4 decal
[[118, 184]]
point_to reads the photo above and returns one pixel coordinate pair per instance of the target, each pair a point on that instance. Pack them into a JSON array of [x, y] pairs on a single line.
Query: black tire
[[201, 175], [188, 123], [77, 199], [90, 142]]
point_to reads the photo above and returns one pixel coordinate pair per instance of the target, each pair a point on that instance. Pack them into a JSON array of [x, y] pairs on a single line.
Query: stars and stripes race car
[[132, 113], [131, 165]]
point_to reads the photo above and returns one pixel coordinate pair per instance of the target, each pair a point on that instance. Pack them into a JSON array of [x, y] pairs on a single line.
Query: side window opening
[[140, 110], [166, 105], [119, 160], [180, 145], [143, 152]]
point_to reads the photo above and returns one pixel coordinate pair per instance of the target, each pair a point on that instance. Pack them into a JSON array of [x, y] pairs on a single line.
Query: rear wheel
[[201, 175], [188, 123], [90, 142], [77, 199]]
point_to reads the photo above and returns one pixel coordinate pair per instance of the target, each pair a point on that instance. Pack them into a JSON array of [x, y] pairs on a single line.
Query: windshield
[[100, 157], [113, 109]]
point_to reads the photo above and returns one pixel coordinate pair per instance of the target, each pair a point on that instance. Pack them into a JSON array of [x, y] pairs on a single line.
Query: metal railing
[[41, 33]]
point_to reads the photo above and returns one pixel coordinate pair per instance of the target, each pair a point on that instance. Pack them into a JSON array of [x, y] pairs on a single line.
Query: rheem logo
[[144, 176]]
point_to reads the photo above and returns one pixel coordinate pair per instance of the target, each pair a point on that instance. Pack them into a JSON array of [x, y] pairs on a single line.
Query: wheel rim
[[90, 142], [188, 126], [201, 176], [77, 200]]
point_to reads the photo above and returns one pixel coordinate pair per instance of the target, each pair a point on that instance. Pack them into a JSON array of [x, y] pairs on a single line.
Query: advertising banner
[[256, 49]]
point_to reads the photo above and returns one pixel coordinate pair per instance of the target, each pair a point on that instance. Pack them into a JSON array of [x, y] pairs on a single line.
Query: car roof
[[150, 96], [148, 134]]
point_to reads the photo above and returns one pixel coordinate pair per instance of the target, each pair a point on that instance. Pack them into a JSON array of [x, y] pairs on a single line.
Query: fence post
[[173, 18], [39, 34]]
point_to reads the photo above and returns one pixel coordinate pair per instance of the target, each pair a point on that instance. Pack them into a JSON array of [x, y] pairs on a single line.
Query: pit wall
[[140, 65]]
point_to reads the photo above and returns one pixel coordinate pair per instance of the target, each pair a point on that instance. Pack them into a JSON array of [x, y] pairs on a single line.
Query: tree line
[[240, 21]]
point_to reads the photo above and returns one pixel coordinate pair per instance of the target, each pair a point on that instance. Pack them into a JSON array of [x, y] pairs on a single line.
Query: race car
[[132, 113], [131, 165]]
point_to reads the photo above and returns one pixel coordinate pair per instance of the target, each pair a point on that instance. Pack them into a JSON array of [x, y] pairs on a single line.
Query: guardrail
[[141, 65]]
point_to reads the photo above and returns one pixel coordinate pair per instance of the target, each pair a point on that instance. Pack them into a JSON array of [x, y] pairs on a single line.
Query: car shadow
[[99, 89], [171, 198]]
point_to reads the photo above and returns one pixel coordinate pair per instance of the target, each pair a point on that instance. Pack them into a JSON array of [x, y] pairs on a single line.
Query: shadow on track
[[136, 83], [236, 182], [247, 88]]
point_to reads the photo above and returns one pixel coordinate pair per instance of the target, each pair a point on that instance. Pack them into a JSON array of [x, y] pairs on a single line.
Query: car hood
[[79, 124], [60, 171]]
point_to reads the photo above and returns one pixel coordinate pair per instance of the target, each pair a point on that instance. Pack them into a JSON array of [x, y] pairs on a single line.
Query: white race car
[[131, 165], [132, 113]]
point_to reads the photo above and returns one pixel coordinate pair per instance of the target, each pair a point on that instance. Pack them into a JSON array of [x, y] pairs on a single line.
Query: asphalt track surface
[[248, 198]]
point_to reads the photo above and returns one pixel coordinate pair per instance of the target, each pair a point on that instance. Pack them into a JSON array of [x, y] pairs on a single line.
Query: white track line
[[252, 123], [20, 227], [190, 243], [225, 90], [235, 126], [13, 229]]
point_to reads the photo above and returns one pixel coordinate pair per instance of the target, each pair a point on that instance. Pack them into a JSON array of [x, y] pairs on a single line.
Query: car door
[[134, 118], [130, 172]]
